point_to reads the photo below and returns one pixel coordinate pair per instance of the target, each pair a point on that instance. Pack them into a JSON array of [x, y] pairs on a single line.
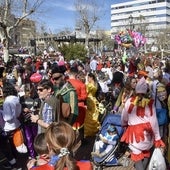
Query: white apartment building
[[147, 16]]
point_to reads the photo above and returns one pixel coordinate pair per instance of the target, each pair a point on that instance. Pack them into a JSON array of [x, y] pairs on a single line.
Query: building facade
[[25, 31], [146, 16]]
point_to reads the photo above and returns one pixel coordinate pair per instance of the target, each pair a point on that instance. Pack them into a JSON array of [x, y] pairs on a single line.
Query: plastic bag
[[157, 161]]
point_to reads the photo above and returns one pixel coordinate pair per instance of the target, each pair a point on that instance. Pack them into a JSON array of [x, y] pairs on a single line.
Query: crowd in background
[[93, 88]]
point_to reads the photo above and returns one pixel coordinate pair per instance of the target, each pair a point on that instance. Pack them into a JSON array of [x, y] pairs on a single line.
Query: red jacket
[[80, 89], [82, 95], [83, 165]]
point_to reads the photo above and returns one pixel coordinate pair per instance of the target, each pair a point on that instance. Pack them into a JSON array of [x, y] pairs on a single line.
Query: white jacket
[[11, 112]]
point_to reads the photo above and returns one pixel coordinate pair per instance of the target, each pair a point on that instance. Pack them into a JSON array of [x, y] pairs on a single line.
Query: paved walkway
[[130, 167], [84, 152]]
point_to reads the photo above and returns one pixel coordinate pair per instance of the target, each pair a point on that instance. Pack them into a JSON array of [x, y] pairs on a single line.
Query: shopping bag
[[157, 160]]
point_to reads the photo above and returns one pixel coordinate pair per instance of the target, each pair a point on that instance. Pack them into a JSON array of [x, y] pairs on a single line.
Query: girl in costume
[[61, 141], [142, 130]]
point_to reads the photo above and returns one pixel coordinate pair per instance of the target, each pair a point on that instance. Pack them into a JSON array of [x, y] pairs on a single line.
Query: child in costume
[[109, 140], [41, 149], [61, 140]]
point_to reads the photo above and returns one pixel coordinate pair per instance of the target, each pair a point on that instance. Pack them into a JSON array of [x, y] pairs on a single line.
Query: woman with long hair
[[61, 142], [91, 123]]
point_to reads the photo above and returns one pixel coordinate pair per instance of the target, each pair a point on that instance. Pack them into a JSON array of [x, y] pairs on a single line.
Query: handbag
[[157, 160], [162, 116]]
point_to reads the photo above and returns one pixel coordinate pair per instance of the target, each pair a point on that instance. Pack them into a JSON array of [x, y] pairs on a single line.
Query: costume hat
[[141, 86]]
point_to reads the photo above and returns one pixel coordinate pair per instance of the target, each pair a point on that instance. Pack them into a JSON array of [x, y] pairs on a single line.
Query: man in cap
[[67, 91]]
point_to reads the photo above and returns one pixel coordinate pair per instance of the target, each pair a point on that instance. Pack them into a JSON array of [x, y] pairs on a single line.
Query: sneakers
[[13, 161], [12, 165], [22, 148], [6, 166], [15, 167], [97, 154], [124, 161]]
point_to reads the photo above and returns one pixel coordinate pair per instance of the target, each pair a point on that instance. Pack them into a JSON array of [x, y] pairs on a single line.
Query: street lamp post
[[131, 22], [33, 44]]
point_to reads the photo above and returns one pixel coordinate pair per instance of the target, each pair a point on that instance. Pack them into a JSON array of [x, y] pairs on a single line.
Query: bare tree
[[162, 39], [8, 22], [88, 13]]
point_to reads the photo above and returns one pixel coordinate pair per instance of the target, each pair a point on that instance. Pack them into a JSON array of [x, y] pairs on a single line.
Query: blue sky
[[60, 14]]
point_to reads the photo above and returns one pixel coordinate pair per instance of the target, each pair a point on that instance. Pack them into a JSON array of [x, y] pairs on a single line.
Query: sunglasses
[[56, 78], [40, 89]]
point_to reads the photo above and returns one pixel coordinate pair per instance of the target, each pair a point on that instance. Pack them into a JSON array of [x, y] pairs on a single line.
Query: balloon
[[117, 38], [130, 38]]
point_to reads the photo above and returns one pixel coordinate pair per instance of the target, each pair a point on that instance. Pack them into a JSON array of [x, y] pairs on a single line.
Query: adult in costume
[[82, 95], [67, 91], [142, 130], [29, 106], [12, 140], [91, 123]]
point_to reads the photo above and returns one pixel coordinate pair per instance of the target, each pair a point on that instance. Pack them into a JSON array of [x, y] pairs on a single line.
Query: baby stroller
[[110, 158]]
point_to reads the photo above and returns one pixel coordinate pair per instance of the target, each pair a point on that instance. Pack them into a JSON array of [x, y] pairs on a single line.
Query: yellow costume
[[91, 123]]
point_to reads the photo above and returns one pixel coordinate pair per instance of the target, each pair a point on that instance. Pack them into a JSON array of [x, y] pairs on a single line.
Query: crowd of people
[[33, 120]]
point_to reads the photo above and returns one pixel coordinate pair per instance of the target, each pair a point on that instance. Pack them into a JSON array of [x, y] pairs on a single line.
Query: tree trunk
[[6, 54], [87, 44], [6, 49], [4, 34]]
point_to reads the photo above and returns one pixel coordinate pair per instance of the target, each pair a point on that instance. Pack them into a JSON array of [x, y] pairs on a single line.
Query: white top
[[11, 112]]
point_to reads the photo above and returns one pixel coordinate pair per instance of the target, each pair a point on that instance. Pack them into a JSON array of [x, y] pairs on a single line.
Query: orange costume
[[82, 95]]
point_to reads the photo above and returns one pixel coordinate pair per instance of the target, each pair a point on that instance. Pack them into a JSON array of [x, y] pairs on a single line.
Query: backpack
[[62, 110]]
